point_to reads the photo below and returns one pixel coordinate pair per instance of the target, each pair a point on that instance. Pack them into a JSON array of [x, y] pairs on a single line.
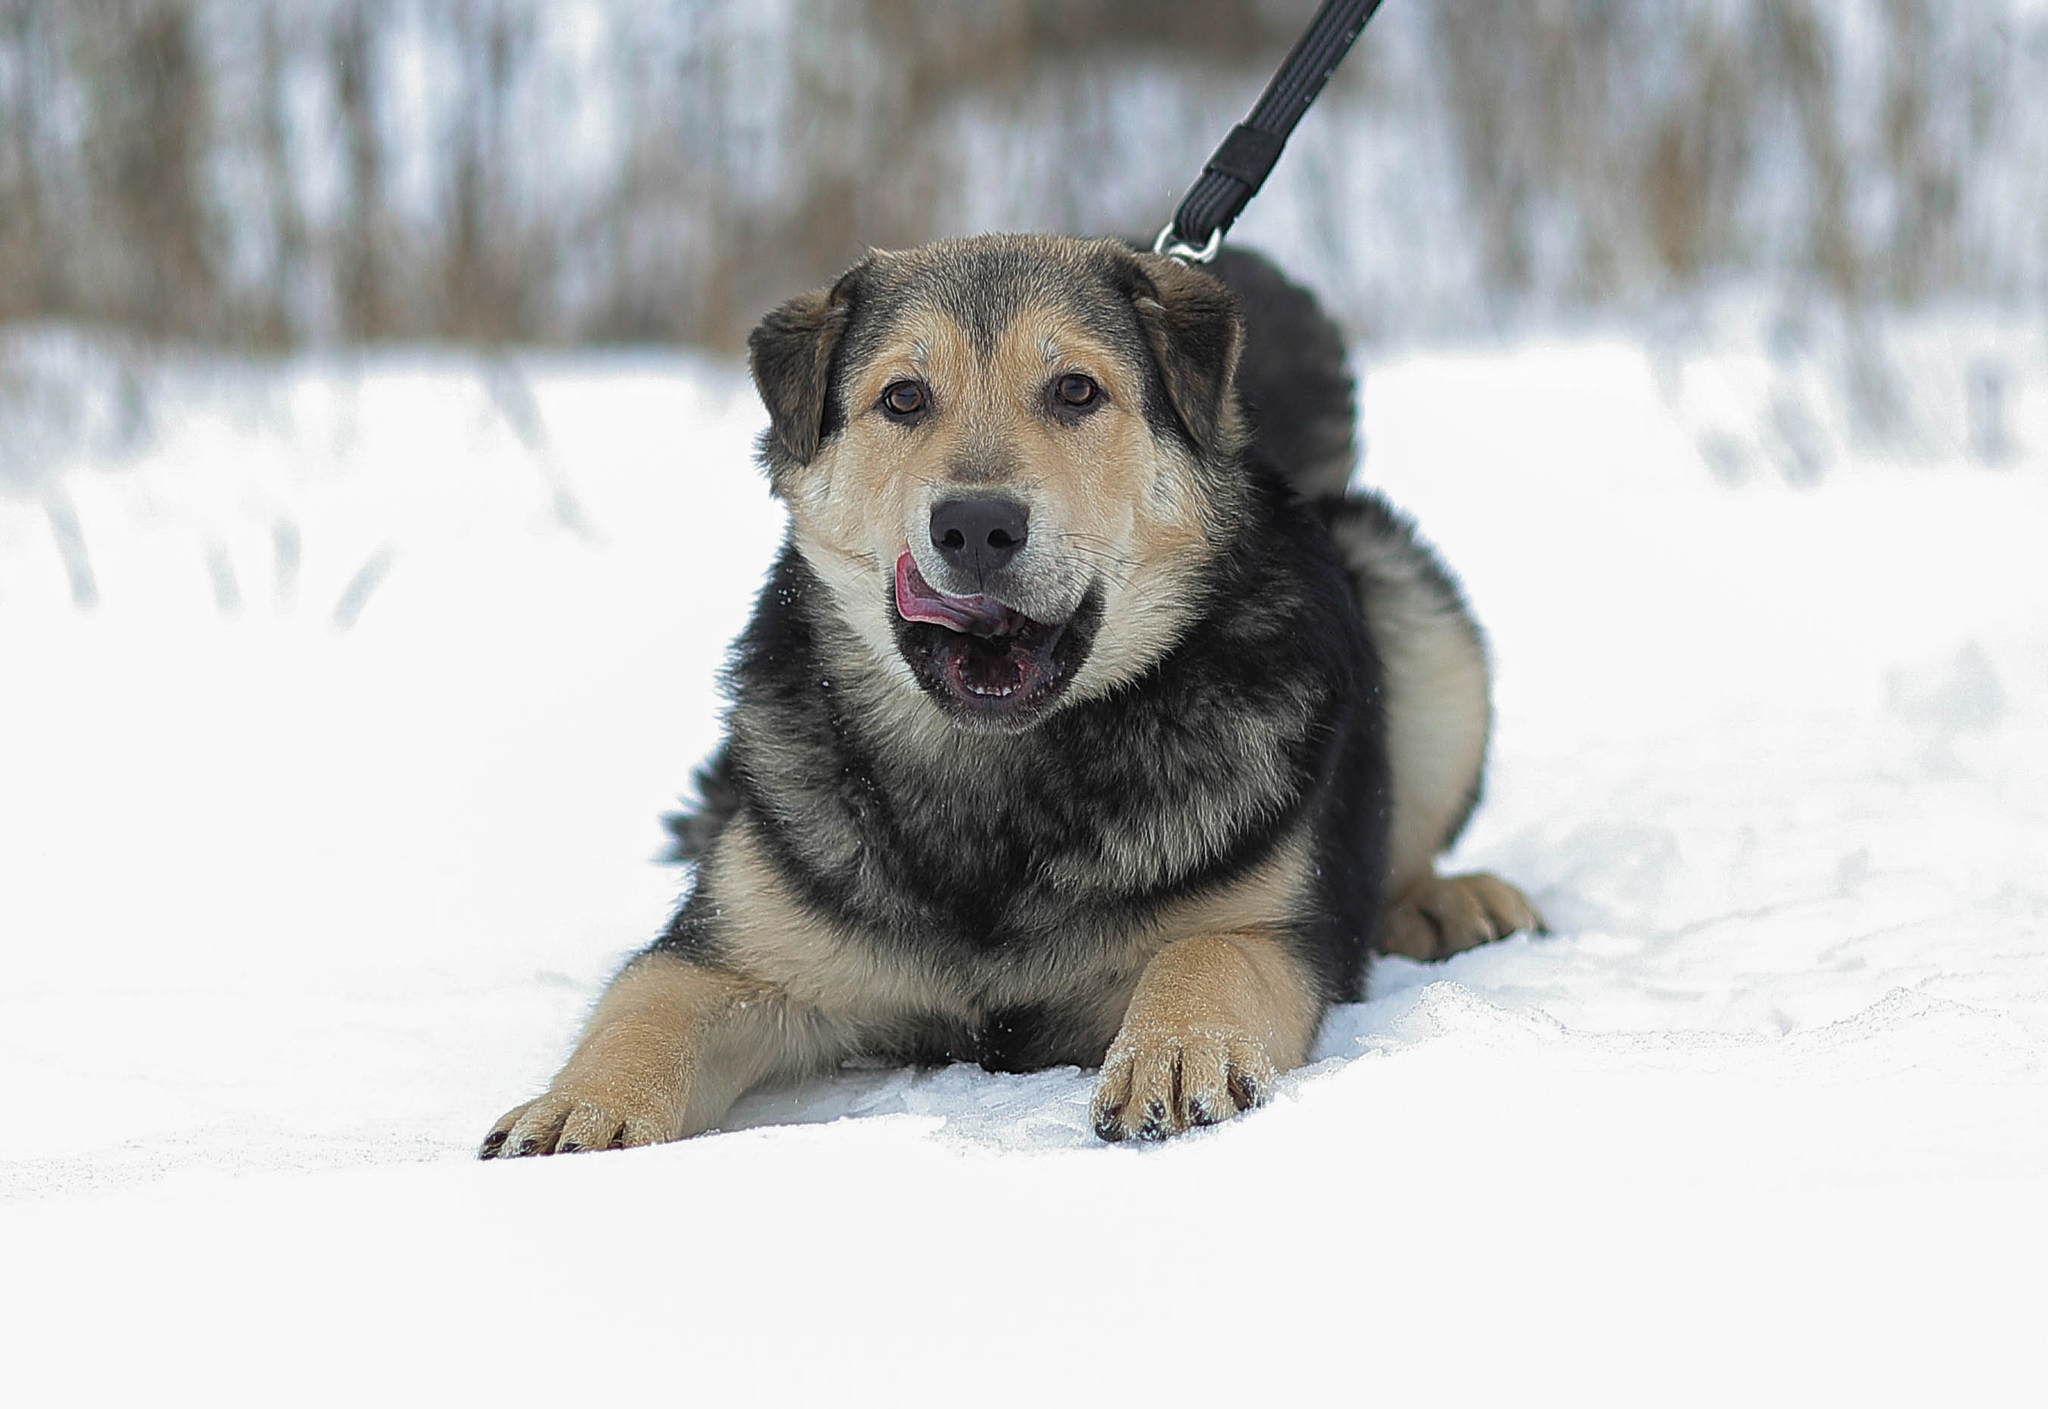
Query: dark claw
[[1245, 1091], [567, 1147], [1199, 1112], [493, 1142], [1154, 1125], [1443, 936], [527, 1146], [1109, 1128]]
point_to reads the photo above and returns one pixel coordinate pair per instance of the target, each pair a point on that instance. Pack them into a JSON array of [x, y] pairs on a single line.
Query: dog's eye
[[1076, 390], [903, 399]]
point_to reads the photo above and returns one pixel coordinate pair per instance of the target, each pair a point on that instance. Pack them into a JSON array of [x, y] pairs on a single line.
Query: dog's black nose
[[979, 535]]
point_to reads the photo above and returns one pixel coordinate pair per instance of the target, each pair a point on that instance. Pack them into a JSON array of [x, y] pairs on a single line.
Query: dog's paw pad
[[1156, 1087], [1447, 915]]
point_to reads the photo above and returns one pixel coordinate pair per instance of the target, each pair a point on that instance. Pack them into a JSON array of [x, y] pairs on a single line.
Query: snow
[[326, 825]]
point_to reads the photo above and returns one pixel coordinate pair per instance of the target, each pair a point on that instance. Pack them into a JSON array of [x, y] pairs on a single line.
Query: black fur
[[1020, 844], [1367, 513], [1293, 381], [792, 352], [1194, 332], [943, 860]]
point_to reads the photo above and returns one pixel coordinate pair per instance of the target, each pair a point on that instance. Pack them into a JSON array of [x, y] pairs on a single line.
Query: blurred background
[[330, 172], [1823, 223]]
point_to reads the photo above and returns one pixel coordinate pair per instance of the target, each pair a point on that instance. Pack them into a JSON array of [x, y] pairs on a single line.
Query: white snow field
[[322, 829]]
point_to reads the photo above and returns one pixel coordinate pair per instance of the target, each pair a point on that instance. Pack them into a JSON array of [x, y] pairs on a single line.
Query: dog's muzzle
[[981, 659]]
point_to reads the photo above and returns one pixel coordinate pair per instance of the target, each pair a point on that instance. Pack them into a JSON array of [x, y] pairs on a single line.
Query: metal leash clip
[[1236, 170], [1186, 253]]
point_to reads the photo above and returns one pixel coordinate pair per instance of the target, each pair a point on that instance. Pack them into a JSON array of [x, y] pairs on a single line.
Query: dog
[[1086, 718]]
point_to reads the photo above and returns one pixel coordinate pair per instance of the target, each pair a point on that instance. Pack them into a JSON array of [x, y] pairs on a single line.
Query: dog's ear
[[1192, 323], [791, 355]]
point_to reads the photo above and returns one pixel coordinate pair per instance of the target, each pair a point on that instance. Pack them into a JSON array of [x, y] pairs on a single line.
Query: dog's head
[[1009, 459]]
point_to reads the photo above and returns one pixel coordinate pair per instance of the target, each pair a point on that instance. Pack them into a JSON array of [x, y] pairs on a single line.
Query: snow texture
[[321, 831]]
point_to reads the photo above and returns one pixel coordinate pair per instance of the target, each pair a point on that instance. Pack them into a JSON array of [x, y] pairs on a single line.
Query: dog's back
[[1300, 399], [1297, 390]]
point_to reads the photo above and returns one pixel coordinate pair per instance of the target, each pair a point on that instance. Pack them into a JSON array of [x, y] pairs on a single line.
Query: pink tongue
[[918, 600]]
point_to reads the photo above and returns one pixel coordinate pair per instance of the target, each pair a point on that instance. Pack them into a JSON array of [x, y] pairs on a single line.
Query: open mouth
[[981, 657]]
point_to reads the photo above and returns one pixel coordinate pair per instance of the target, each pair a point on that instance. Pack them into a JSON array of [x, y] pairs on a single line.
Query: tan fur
[[1199, 1008], [1444, 915], [1215, 1018], [1221, 1008], [1437, 708], [673, 1044], [1267, 898], [1109, 501], [854, 986], [1438, 714], [669, 1049], [813, 960], [857, 984]]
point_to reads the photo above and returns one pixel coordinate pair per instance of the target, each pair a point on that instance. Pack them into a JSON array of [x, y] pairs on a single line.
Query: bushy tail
[[1297, 390]]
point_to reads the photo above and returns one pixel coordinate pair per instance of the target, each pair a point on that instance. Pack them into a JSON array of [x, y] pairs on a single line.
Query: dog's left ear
[[791, 356], [1192, 323]]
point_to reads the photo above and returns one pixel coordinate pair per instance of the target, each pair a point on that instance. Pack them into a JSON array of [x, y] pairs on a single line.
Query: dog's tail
[[1297, 389]]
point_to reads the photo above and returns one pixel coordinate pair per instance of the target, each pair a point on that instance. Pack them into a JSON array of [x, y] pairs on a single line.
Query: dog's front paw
[[1447, 915], [1213, 1020], [1157, 1084], [636, 1069], [565, 1121]]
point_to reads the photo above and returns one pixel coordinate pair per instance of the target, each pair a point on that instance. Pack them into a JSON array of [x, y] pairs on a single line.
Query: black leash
[[1240, 166]]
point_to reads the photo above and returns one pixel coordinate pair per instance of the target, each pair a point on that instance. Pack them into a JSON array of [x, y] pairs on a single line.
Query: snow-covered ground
[[321, 830]]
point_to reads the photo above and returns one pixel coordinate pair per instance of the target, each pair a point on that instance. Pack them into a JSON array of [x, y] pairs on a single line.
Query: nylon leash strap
[[1233, 175]]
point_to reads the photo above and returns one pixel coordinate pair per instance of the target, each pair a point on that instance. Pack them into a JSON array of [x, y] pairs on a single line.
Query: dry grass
[[250, 174]]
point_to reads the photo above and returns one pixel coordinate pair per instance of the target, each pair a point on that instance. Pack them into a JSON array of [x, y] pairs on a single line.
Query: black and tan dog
[[1085, 719]]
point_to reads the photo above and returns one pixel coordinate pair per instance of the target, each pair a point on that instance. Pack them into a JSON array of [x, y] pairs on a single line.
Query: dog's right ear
[[791, 355]]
